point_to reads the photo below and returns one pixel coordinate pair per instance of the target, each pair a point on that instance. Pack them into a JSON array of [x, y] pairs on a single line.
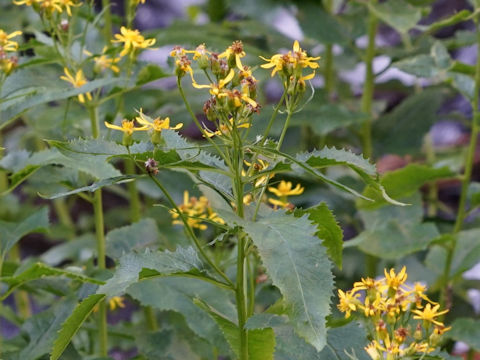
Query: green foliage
[[297, 263], [73, 324], [13, 232], [466, 330]]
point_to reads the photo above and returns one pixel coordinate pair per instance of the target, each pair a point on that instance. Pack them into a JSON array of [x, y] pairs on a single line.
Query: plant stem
[[366, 107], [240, 297], [191, 232], [329, 74], [466, 176], [107, 30], [100, 236], [272, 118], [284, 130], [367, 96], [135, 210], [432, 187], [22, 302]]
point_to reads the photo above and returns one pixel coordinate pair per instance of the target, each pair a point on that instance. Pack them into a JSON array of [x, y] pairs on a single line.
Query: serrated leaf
[[328, 230], [397, 13], [466, 330], [297, 263], [134, 237], [13, 232], [332, 156], [404, 182], [182, 260], [261, 342], [73, 324], [93, 187], [38, 271], [178, 295], [43, 328]]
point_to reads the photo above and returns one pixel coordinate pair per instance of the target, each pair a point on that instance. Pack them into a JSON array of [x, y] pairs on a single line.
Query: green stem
[[367, 96], [284, 130], [107, 15], [100, 236], [251, 285], [22, 302], [466, 176], [272, 118], [63, 214], [240, 297], [432, 187], [329, 74], [366, 107]]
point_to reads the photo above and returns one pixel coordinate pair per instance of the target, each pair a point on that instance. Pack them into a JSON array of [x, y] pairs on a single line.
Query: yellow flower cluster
[[232, 87], [197, 211], [8, 63], [399, 322], [50, 7], [283, 191]]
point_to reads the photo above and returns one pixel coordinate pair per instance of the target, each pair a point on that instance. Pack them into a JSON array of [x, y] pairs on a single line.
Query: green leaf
[[421, 66], [149, 73], [38, 271], [332, 156], [93, 187], [43, 328], [11, 109], [183, 260], [466, 254], [397, 13], [73, 324], [403, 182], [328, 230], [134, 237], [297, 263], [261, 342], [466, 330], [401, 131], [178, 294], [13, 232]]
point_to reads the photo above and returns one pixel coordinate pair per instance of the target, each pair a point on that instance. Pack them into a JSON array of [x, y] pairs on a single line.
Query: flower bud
[[127, 139], [209, 109], [151, 166], [64, 25], [156, 137]]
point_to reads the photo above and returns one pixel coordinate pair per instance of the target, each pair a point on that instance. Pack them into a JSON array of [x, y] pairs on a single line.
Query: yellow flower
[[116, 302], [372, 351], [8, 64], [394, 281], [365, 284], [68, 4], [429, 314], [157, 124], [296, 59], [103, 62], [348, 302], [225, 129], [128, 127], [217, 89], [234, 53], [196, 210], [199, 51], [137, 2], [5, 43], [260, 165], [50, 6], [24, 2], [285, 189], [132, 40], [77, 82]]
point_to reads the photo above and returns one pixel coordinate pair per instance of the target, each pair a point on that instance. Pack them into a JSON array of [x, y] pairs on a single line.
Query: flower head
[[6, 44], [132, 41], [348, 302], [393, 280], [128, 127], [429, 314], [285, 189], [77, 81], [233, 54], [196, 210]]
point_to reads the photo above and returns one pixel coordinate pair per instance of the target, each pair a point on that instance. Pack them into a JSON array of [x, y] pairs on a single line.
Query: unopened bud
[[64, 25], [151, 166]]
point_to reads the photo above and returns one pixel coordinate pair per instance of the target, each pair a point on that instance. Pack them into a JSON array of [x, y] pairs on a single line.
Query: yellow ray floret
[[77, 81], [5, 43], [132, 40], [128, 127]]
